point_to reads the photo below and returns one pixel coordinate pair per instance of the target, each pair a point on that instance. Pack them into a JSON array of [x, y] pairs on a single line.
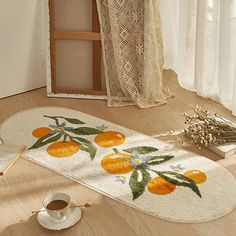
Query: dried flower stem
[[205, 129]]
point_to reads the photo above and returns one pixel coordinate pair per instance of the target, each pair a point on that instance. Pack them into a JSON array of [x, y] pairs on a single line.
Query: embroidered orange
[[160, 186], [116, 163], [62, 149], [110, 139], [196, 175], [40, 132]]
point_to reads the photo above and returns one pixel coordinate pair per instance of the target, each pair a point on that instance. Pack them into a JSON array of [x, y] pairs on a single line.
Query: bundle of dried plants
[[205, 129]]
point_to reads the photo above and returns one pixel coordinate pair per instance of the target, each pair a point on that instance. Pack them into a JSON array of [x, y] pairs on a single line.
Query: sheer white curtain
[[200, 45]]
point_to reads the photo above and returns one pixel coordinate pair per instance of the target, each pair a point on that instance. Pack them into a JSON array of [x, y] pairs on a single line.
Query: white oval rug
[[123, 164]]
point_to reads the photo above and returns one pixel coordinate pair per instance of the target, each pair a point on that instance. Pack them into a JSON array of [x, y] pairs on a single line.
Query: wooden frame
[[93, 36]]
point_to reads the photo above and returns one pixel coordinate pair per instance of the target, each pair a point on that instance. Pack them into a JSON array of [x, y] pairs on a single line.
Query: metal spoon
[[87, 205]]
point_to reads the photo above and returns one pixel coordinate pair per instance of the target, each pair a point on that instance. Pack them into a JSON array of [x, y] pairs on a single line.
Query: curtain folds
[[202, 36], [133, 52]]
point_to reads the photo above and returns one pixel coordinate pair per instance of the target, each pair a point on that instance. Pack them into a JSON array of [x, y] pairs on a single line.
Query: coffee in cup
[[57, 206]]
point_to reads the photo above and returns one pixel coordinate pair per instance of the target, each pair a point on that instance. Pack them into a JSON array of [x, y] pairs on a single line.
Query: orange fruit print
[[116, 163], [40, 132], [62, 149], [196, 175], [109, 139], [160, 186]]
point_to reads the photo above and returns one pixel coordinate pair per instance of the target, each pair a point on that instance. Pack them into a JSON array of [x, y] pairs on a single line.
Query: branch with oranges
[[137, 161], [64, 140]]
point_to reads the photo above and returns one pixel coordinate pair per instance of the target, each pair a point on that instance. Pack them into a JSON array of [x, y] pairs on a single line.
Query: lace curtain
[[133, 52]]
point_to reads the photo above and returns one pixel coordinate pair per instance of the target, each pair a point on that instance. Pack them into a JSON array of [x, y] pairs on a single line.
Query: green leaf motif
[[46, 139], [86, 131], [89, 149], [83, 140], [138, 187], [141, 149], [86, 146], [156, 160], [53, 118], [70, 120], [73, 121], [179, 180]]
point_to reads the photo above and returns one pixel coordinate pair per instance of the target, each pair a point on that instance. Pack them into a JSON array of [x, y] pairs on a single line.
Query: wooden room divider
[[64, 30]]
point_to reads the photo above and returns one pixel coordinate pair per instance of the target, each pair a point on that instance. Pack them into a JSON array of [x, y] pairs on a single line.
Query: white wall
[[22, 50]]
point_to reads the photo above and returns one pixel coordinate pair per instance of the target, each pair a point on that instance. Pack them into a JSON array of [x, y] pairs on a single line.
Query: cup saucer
[[74, 215]]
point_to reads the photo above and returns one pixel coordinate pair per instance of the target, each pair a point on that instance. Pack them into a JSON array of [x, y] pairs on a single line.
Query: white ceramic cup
[[57, 216]]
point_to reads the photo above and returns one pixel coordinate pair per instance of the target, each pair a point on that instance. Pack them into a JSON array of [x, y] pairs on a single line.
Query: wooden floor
[[25, 185]]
